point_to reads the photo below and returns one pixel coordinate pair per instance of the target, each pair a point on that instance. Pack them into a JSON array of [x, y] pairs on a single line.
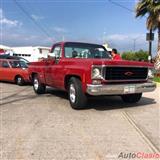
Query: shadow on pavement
[[102, 103], [57, 93], [115, 102]]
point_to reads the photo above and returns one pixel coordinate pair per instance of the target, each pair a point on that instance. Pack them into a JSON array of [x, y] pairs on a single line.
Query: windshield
[[18, 64], [83, 50]]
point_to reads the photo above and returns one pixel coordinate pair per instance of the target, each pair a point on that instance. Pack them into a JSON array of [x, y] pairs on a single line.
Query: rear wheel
[[20, 81], [131, 98], [38, 87], [77, 97]]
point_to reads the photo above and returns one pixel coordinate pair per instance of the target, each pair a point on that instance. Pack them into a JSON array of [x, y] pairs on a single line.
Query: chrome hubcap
[[72, 93], [36, 84], [19, 79]]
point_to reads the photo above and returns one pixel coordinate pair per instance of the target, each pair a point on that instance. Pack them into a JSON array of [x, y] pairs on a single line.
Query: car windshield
[[83, 50], [18, 64]]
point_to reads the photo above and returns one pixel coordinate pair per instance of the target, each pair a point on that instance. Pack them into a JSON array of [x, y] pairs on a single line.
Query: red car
[[12, 70]]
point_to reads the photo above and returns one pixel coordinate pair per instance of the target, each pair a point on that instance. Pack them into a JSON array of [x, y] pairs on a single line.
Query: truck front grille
[[125, 73]]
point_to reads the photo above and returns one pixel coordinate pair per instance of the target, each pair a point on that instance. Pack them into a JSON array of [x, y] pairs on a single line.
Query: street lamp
[[134, 43]]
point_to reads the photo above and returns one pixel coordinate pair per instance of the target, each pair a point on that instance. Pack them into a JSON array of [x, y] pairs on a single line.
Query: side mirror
[[50, 59], [51, 55]]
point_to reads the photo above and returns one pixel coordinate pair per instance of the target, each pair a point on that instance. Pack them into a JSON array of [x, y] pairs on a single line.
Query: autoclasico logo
[[139, 155]]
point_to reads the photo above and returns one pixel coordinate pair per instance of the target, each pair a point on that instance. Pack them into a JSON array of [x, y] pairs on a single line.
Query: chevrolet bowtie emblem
[[128, 73]]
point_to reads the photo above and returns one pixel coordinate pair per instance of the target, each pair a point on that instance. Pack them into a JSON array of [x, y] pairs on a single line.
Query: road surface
[[45, 127]]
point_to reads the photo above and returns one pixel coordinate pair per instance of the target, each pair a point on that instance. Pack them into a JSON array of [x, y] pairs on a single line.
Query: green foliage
[[157, 79], [135, 56], [151, 8]]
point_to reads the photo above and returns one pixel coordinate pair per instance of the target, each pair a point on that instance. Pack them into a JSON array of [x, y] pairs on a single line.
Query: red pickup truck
[[85, 69]]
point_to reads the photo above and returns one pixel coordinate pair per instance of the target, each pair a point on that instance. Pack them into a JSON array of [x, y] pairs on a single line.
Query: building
[[107, 47], [32, 54], [5, 49]]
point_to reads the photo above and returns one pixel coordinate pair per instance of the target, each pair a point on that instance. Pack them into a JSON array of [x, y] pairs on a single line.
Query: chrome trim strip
[[131, 80], [126, 66]]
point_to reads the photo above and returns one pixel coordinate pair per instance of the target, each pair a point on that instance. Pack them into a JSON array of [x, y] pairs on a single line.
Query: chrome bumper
[[120, 89]]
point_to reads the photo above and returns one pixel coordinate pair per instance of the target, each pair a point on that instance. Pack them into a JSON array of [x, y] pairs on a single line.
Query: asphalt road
[[46, 127]]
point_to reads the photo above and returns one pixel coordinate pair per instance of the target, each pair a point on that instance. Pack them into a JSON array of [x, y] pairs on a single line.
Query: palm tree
[[151, 9]]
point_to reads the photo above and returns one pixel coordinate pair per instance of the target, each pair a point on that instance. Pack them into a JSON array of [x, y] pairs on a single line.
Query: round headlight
[[96, 73], [150, 73]]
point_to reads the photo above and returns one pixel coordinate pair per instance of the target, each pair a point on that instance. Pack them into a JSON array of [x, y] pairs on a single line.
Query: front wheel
[[76, 95], [20, 81], [38, 87], [131, 98]]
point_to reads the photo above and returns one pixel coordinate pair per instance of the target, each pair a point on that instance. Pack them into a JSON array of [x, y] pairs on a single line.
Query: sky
[[44, 22]]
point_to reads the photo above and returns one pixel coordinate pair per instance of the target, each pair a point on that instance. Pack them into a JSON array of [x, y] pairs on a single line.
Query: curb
[[158, 84]]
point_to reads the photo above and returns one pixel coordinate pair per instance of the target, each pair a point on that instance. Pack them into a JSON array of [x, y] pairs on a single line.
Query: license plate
[[129, 89]]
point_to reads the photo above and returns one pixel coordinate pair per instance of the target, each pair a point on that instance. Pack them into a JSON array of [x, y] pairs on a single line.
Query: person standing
[[115, 55]]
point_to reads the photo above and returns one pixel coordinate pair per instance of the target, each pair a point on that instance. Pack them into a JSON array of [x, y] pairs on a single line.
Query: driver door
[[51, 70]]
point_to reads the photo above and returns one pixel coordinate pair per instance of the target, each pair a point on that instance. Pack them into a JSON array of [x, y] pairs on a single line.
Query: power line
[[33, 20], [122, 6], [36, 11]]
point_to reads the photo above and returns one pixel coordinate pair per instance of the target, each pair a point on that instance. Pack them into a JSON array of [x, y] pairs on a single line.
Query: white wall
[[30, 53]]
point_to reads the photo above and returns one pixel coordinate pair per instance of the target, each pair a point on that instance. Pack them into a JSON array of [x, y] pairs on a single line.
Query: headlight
[[97, 73], [150, 73]]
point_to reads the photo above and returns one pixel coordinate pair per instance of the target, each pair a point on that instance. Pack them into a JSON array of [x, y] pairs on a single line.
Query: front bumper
[[120, 89]]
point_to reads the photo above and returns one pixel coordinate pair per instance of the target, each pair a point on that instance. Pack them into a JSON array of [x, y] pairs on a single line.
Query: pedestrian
[[115, 55]]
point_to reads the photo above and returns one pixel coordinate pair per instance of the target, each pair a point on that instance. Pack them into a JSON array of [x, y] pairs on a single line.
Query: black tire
[[131, 98], [75, 88], [38, 87], [19, 80]]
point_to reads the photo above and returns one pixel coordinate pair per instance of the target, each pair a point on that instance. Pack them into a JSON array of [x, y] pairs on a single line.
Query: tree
[[151, 8], [135, 56]]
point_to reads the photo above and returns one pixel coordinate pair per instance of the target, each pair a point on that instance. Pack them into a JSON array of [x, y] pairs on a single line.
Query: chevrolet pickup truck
[[84, 69]]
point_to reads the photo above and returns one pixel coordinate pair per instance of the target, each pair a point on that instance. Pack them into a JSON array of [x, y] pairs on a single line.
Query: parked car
[[84, 69], [7, 56], [12, 70]]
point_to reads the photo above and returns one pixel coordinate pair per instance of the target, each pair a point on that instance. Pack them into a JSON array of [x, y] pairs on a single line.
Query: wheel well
[[68, 77], [32, 75]]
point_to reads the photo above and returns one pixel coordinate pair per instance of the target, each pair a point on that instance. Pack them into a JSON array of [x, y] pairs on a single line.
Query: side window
[[57, 52], [5, 64]]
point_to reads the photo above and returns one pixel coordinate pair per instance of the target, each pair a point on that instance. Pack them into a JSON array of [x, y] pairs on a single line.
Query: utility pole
[[134, 44], [104, 37], [150, 45], [150, 38], [63, 38]]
